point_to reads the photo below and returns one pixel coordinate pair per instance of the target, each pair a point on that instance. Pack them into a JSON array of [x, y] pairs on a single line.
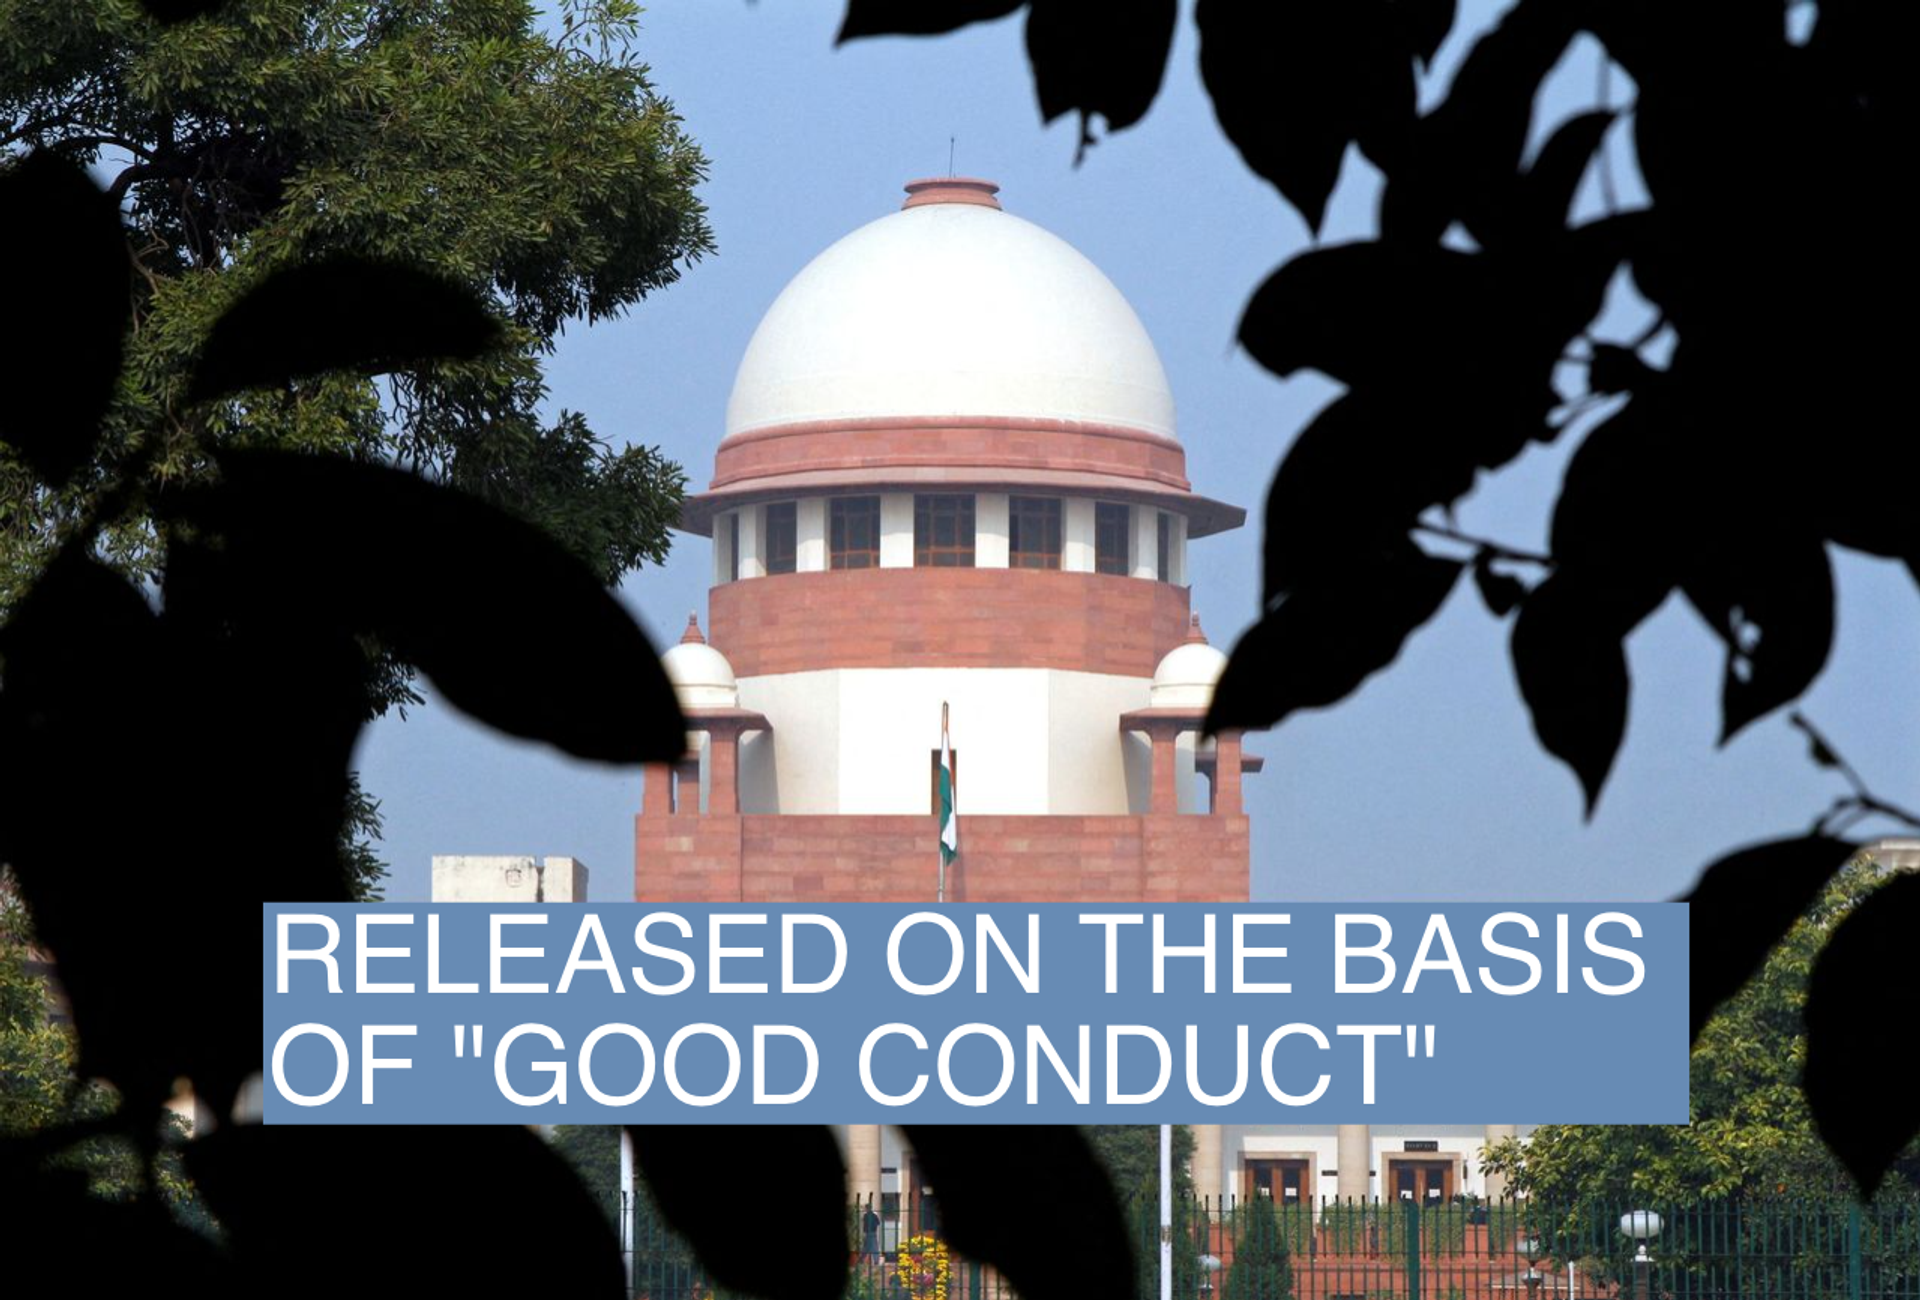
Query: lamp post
[[1209, 1265], [1643, 1226], [1531, 1278]]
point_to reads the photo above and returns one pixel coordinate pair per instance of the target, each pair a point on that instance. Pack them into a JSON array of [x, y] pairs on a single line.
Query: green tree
[[1750, 1132], [1131, 1154], [1262, 1267], [538, 167]]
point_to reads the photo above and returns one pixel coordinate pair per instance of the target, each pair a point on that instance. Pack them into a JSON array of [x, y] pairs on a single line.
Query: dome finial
[[1194, 635], [692, 635], [952, 189]]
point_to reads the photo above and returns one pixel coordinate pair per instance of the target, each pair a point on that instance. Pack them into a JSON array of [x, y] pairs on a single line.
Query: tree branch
[[1862, 802], [1494, 549]]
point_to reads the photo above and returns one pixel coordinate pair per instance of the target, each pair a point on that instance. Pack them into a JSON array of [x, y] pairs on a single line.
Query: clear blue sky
[[1427, 784]]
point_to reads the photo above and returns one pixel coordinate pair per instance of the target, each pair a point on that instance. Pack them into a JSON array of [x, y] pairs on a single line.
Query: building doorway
[[1428, 1182], [1287, 1180]]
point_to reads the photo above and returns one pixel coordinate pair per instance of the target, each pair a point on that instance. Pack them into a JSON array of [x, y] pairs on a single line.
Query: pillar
[[990, 526], [753, 551], [656, 790], [1207, 1140], [863, 1163], [1144, 545], [1354, 1152], [896, 530], [1166, 785], [1497, 1183], [1226, 774], [810, 535], [723, 771], [1076, 535]]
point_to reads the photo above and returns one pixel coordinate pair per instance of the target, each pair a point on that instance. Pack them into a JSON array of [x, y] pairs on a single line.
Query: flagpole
[[940, 847]]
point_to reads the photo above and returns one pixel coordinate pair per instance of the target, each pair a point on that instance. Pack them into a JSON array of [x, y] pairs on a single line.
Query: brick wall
[[785, 858], [946, 618], [948, 443]]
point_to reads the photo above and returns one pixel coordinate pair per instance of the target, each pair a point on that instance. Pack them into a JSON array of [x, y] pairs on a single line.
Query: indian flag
[[949, 820]]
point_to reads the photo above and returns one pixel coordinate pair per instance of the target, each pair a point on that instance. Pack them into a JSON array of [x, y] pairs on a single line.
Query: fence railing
[[1772, 1249]]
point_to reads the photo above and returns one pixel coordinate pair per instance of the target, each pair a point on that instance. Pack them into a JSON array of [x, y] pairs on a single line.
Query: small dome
[[1186, 676], [701, 675], [951, 307]]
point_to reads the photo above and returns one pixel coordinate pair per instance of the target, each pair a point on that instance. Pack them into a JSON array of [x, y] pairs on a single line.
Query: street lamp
[[1531, 1278], [1643, 1226], [1209, 1265]]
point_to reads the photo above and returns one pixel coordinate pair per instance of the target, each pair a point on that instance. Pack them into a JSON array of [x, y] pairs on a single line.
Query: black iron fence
[[1772, 1249]]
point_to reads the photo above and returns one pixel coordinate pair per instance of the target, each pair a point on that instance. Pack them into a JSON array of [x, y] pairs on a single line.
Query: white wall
[[1086, 759], [794, 768], [493, 878], [855, 740]]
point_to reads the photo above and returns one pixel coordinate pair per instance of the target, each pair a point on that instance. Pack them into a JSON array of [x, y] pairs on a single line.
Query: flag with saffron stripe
[[949, 819]]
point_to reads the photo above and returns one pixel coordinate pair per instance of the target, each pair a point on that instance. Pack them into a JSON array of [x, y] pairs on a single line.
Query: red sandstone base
[[774, 858]]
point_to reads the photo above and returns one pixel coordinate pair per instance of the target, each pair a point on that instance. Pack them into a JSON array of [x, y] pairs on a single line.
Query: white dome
[[1186, 676], [951, 307], [701, 676]]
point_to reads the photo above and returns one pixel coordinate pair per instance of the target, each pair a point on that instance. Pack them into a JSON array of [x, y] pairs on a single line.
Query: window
[[854, 533], [1110, 525], [733, 546], [1163, 548], [943, 532], [1033, 532], [781, 544]]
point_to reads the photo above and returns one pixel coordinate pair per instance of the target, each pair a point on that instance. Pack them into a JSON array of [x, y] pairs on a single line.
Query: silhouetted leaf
[[1860, 997], [917, 17], [1778, 584], [792, 1245], [64, 319], [86, 684], [1426, 24], [1352, 484], [1364, 313], [1464, 161], [1293, 87], [1099, 56], [1627, 516], [1571, 666], [1545, 196], [1615, 369], [405, 1211], [51, 1209], [510, 626], [1462, 344], [1744, 904], [972, 1168], [340, 313], [1501, 592], [1329, 635]]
